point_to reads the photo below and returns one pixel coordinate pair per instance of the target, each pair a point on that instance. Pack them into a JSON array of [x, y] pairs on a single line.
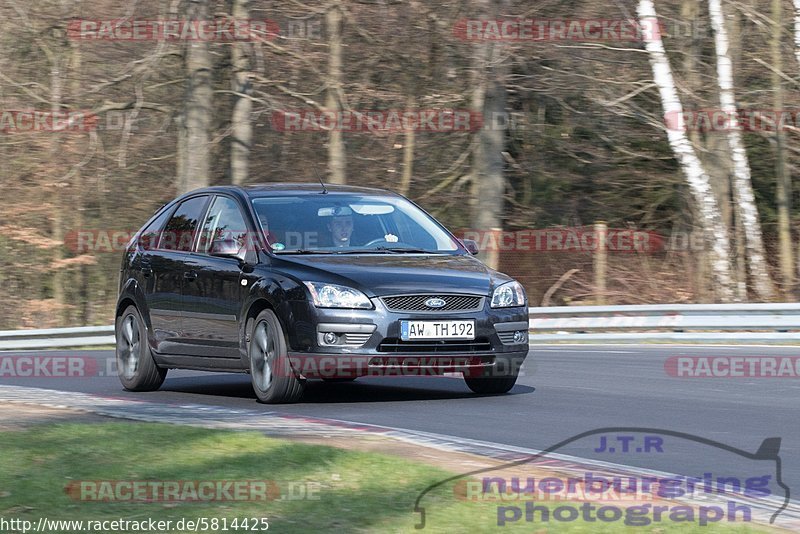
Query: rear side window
[[182, 227]]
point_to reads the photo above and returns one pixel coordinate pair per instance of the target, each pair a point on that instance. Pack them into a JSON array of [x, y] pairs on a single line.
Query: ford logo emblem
[[435, 303]]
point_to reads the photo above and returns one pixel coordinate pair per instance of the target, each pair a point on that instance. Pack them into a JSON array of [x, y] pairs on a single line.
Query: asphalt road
[[564, 391]]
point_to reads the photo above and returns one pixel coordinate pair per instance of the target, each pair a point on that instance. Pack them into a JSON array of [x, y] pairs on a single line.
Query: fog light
[[520, 336], [330, 338]]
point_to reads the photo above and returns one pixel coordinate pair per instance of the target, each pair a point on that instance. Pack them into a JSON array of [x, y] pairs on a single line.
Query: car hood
[[393, 274]]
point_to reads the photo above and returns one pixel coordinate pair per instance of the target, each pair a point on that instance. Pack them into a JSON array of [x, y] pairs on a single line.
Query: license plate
[[411, 330]]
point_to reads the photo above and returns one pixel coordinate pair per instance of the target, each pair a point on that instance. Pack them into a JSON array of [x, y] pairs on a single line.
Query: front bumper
[[368, 342]]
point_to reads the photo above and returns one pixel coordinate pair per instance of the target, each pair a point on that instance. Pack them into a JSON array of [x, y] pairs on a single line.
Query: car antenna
[[324, 190]]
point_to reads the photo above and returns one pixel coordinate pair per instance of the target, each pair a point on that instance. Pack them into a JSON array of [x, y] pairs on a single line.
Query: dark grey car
[[289, 282]]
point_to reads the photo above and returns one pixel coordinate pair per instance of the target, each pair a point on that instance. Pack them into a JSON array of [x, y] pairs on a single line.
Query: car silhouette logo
[[435, 303]]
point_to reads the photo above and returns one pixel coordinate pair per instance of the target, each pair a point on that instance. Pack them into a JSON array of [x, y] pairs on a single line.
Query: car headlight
[[508, 295], [335, 296]]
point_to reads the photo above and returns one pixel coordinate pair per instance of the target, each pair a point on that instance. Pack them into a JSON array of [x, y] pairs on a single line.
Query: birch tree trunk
[[745, 204], [712, 148], [797, 29], [337, 161], [738, 244], [699, 184], [195, 170], [782, 178], [241, 125]]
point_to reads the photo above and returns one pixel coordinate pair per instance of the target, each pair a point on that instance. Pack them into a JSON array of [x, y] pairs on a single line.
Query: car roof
[[288, 188]]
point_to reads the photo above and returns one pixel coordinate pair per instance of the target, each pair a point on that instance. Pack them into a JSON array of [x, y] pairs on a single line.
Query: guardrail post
[[600, 260]]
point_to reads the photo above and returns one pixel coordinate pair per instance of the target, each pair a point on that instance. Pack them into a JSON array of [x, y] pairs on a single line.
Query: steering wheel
[[376, 241]]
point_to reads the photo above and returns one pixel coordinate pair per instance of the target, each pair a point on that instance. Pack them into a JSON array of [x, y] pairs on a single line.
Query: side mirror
[[226, 248], [471, 246]]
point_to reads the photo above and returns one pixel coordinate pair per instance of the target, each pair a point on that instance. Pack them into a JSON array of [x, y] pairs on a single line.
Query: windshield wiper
[[303, 251], [362, 251], [389, 250], [399, 250], [376, 250]]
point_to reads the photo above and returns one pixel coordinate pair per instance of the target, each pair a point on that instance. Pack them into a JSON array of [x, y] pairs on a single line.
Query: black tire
[[136, 368], [274, 380], [493, 385]]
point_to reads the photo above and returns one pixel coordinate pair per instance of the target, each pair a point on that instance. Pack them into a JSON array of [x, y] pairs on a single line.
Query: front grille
[[464, 347], [416, 303]]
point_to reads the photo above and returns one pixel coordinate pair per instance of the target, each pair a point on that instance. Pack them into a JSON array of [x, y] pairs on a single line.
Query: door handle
[[190, 275], [147, 270]]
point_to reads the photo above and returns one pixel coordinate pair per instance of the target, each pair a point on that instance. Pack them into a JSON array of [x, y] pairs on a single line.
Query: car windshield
[[349, 223]]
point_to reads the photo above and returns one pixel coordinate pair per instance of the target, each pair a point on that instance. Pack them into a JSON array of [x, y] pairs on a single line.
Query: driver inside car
[[341, 227]]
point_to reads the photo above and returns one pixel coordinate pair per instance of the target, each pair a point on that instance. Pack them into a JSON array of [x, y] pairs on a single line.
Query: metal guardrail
[[57, 338], [732, 323]]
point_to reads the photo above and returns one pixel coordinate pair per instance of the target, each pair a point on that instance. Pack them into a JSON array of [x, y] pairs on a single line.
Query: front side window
[[224, 222], [182, 227], [349, 223]]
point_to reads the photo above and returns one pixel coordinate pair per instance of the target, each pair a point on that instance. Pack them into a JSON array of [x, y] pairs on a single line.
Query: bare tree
[[409, 143], [745, 204], [698, 181], [712, 148], [782, 177], [194, 169], [489, 99], [333, 103], [241, 124], [797, 29]]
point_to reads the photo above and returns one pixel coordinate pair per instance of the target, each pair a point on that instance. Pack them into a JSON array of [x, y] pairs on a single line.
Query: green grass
[[356, 491]]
